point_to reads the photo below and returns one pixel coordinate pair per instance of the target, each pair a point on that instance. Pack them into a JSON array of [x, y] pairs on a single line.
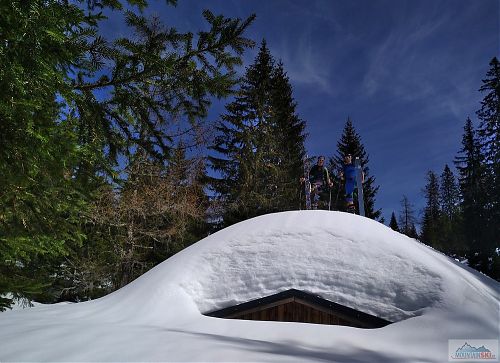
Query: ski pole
[[337, 196], [338, 191], [330, 200], [300, 198]]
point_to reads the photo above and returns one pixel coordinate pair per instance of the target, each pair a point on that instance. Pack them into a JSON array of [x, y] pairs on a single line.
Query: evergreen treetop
[[350, 143], [489, 113], [432, 212], [449, 195], [394, 223], [259, 146]]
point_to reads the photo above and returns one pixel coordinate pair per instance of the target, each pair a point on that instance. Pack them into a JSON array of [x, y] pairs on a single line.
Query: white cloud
[[414, 64], [399, 64], [305, 62]]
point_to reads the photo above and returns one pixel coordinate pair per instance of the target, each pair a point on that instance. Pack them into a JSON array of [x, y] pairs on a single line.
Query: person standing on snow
[[348, 174], [319, 178]]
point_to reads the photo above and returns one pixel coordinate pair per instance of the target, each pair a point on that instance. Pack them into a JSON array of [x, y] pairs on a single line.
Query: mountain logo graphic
[[468, 351], [466, 348]]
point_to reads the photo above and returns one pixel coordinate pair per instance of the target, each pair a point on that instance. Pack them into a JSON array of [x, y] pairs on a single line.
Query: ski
[[307, 183], [359, 182]]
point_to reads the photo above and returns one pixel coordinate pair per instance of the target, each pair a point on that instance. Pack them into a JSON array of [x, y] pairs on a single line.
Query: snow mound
[[371, 269], [341, 257], [350, 260]]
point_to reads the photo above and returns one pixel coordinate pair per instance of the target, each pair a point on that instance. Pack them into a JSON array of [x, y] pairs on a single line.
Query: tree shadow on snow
[[291, 349]]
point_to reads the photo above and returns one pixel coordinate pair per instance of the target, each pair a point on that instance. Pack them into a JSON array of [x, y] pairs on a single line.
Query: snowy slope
[[344, 258]]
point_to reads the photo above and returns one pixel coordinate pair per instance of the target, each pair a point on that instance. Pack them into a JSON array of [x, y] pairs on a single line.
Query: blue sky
[[406, 72]]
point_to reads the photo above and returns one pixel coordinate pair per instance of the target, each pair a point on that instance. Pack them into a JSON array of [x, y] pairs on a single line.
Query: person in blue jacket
[[348, 174]]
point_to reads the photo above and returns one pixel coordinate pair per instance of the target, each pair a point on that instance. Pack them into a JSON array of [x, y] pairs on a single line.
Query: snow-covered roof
[[343, 258], [365, 266]]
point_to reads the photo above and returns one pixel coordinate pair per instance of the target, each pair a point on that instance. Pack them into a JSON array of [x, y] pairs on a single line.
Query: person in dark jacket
[[320, 179]]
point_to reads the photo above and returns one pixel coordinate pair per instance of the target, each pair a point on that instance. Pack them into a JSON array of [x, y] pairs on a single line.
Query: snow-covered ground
[[344, 258]]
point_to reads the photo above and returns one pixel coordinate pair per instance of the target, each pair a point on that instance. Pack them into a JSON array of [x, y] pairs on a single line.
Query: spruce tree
[[240, 159], [394, 223], [413, 232], [489, 133], [472, 181], [449, 195], [431, 233], [451, 237], [288, 132], [259, 146], [79, 102], [156, 79], [350, 143], [87, 271], [489, 114], [41, 203]]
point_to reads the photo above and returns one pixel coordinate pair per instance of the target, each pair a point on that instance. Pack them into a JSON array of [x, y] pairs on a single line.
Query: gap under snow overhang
[[299, 306]]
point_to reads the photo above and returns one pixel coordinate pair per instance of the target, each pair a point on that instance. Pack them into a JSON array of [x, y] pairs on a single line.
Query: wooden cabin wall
[[294, 312]]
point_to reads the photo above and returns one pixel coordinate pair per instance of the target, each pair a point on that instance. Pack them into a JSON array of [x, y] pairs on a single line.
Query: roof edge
[[363, 319]]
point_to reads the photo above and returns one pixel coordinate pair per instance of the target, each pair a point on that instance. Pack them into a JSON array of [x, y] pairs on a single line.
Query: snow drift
[[344, 258]]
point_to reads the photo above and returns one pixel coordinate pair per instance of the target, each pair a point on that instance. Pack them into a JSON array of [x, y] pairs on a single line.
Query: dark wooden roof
[[357, 318]]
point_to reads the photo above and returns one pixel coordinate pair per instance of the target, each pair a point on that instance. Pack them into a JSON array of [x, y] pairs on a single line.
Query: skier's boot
[[315, 201], [351, 209], [315, 196]]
